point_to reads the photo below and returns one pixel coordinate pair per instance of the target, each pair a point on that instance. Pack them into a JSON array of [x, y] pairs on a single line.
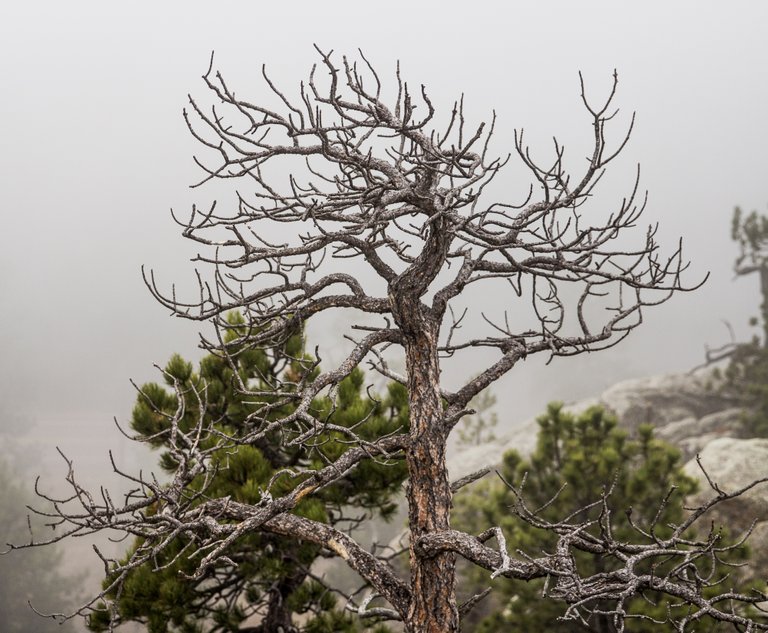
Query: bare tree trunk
[[433, 579], [278, 618], [764, 305]]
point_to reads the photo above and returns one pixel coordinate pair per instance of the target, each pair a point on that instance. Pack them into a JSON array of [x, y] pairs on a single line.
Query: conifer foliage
[[267, 577], [578, 459]]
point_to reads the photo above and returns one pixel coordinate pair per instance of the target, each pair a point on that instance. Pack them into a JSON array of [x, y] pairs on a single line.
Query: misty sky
[[95, 152]]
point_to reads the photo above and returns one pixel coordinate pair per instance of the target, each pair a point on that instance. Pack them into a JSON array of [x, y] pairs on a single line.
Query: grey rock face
[[664, 400], [731, 464], [685, 409], [721, 423], [692, 434], [758, 563], [689, 413]]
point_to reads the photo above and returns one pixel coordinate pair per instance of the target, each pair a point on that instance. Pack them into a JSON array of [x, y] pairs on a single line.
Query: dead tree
[[751, 234], [388, 221]]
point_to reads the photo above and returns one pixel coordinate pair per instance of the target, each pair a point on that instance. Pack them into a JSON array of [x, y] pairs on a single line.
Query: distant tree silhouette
[[745, 377]]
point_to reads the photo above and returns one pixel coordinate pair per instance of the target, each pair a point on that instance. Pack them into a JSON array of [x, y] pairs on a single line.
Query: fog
[[94, 153]]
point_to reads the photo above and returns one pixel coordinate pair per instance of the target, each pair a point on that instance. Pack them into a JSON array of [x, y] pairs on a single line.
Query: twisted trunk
[[433, 604], [432, 607]]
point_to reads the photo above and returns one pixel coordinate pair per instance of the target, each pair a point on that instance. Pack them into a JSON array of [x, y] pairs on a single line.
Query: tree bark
[[433, 606], [278, 618], [764, 305]]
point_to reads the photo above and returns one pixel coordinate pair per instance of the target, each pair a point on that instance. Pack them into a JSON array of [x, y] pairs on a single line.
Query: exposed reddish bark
[[433, 578]]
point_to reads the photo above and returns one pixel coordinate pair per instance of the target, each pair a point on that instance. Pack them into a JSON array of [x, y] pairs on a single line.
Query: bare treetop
[[384, 188]]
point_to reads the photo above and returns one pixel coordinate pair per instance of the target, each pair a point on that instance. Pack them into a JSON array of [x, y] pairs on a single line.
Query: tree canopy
[[580, 459], [266, 580]]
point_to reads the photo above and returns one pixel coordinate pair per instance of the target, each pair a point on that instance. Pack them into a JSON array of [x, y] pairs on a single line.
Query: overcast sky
[[94, 153]]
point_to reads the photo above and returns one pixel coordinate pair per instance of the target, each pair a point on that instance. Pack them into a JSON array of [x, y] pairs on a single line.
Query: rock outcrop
[[689, 413], [686, 410], [732, 464]]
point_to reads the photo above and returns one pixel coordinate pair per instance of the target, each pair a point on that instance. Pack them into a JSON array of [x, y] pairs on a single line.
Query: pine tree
[[745, 377], [750, 232], [576, 458], [268, 577]]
